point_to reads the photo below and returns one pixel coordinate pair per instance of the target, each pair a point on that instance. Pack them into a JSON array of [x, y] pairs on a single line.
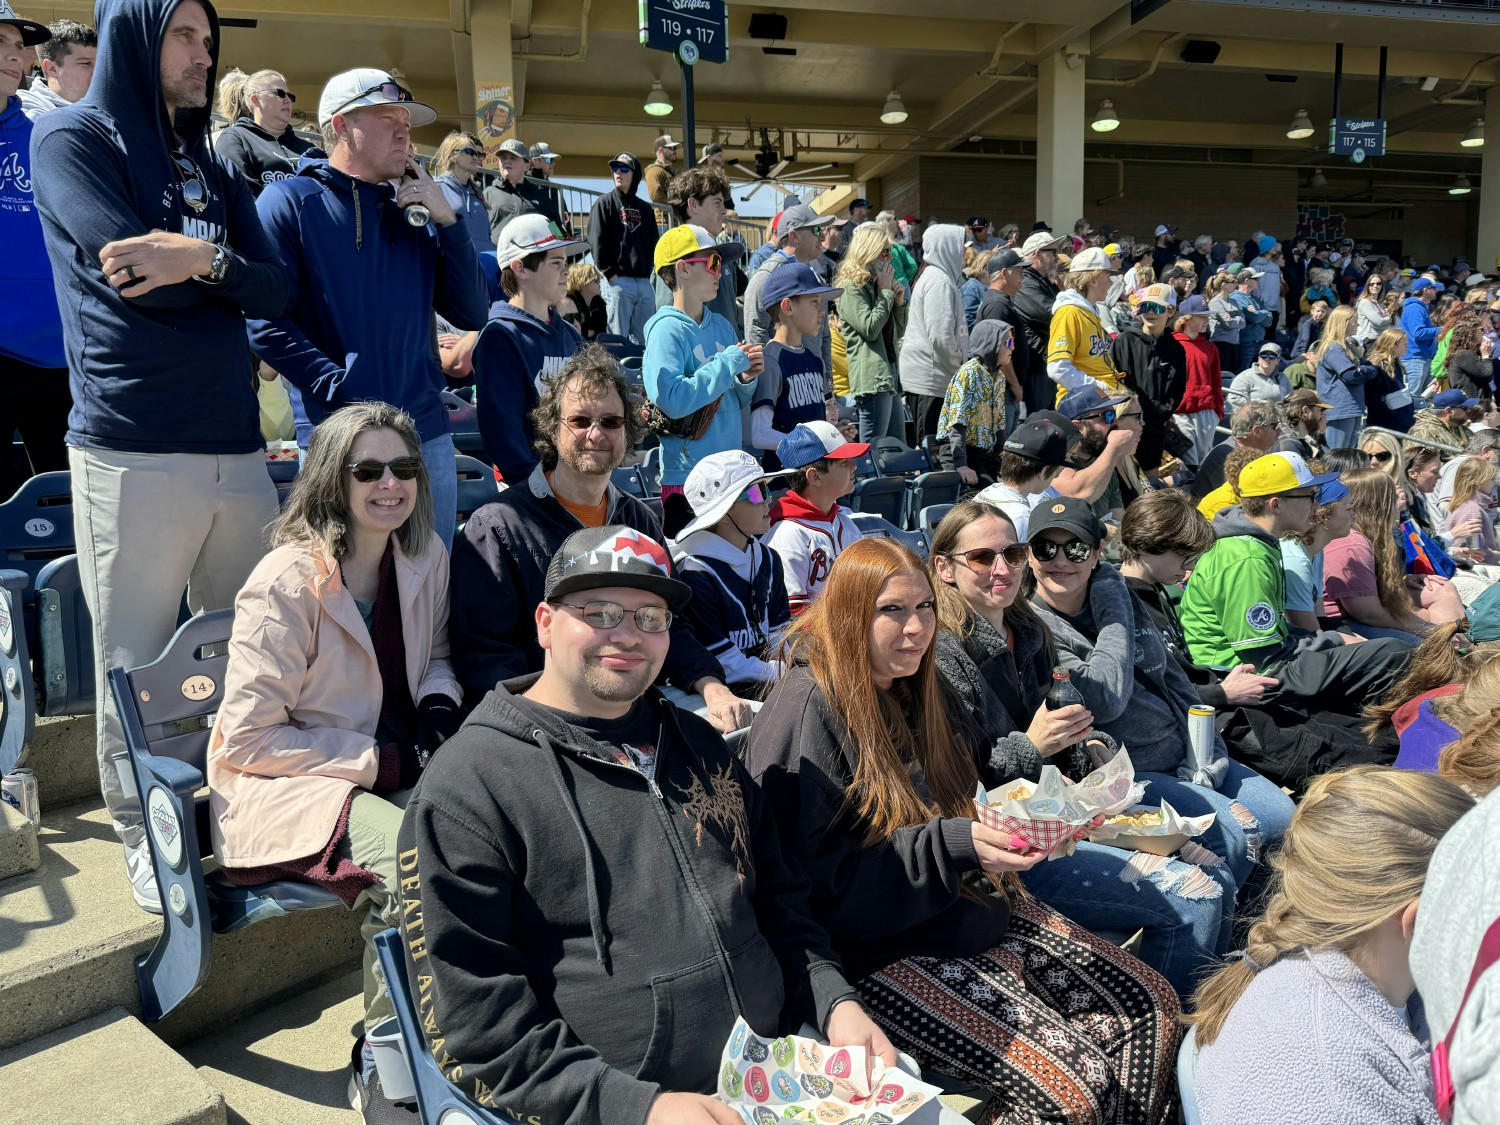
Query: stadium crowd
[[626, 768]]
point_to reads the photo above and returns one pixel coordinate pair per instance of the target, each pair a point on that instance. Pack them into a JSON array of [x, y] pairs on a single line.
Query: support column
[[496, 97], [1489, 189], [1059, 142]]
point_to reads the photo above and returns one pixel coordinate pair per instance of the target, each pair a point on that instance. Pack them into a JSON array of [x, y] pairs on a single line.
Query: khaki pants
[[371, 843], [148, 526]]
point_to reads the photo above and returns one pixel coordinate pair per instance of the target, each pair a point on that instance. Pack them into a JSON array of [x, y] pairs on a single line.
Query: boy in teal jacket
[[693, 360]]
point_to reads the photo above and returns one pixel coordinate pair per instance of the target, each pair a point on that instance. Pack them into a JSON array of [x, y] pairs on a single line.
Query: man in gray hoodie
[[937, 334]]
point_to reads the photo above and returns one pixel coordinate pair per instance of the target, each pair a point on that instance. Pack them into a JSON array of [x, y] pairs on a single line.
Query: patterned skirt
[[1060, 1025]]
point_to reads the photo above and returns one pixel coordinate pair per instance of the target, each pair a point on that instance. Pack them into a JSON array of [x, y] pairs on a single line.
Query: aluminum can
[[1201, 734], [19, 790]]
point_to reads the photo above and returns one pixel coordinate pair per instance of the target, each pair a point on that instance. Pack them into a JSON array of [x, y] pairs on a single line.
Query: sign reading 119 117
[[700, 26]]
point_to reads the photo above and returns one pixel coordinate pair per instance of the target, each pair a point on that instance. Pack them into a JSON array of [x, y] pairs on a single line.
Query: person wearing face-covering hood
[[937, 334], [158, 257], [972, 422]]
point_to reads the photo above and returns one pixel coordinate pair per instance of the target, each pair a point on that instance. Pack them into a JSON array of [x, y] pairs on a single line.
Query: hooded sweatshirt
[[1155, 369], [622, 230], [364, 282], [1421, 333], [516, 354], [261, 157], [973, 413], [1078, 351], [30, 326], [39, 98], [937, 334], [166, 371], [808, 541], [739, 603], [586, 929], [688, 365]]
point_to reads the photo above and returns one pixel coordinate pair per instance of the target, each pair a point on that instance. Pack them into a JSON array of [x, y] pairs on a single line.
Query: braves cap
[[614, 555], [813, 441], [1445, 399]]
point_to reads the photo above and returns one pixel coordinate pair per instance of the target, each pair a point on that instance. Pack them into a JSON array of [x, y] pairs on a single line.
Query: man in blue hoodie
[[622, 235], [1421, 333], [158, 257], [365, 278], [32, 365], [525, 343]]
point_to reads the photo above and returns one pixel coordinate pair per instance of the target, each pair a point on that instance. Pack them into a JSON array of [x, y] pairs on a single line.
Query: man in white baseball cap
[[371, 271], [739, 591]]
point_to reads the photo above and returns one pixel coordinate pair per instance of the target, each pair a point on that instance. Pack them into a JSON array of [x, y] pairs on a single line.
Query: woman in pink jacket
[[339, 686]]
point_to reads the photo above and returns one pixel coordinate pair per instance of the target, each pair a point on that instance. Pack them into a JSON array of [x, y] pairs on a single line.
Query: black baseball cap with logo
[[1044, 436], [1065, 513], [614, 555]]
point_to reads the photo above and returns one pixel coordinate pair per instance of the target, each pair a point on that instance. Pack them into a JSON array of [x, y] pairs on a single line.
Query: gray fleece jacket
[[1118, 661], [937, 333]]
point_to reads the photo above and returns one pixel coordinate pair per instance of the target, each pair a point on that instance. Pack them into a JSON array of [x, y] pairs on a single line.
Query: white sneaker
[[142, 878]]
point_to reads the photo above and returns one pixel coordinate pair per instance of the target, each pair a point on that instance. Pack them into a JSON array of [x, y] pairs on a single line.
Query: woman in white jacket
[[937, 338], [1371, 316]]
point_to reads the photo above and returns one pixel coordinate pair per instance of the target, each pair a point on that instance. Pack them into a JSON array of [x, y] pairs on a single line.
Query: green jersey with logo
[[1232, 610]]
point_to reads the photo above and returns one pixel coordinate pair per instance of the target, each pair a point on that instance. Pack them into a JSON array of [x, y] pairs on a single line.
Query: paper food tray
[[1163, 838], [1052, 813]]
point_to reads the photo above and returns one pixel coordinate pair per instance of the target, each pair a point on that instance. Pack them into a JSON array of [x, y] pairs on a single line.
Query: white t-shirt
[[1013, 502]]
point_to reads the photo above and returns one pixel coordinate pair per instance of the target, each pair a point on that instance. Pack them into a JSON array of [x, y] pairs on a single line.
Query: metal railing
[[1440, 446]]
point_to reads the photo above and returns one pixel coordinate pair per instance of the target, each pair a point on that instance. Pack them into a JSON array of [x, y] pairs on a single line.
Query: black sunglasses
[[582, 423], [471, 152], [1270, 355], [981, 559], [1382, 456], [402, 468], [287, 94], [621, 168], [194, 190], [1076, 550], [1106, 416]]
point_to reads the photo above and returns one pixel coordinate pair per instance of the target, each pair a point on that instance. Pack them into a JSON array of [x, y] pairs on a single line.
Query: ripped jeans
[[1184, 905]]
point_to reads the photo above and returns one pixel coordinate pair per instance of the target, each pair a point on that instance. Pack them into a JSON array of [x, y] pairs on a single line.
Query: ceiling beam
[[1260, 56]]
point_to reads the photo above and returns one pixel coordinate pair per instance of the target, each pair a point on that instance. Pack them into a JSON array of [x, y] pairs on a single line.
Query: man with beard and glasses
[[1101, 448], [587, 420], [539, 989], [158, 257]]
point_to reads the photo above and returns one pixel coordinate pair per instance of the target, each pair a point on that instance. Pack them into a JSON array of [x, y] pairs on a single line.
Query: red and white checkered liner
[[1055, 812]]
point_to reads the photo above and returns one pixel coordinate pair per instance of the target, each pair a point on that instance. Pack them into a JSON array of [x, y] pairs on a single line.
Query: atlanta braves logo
[[638, 545], [12, 174]]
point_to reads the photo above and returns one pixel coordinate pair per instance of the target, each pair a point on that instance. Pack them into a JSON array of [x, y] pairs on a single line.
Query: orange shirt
[[590, 515]]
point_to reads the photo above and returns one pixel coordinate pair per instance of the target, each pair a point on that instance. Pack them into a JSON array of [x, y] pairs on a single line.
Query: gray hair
[[1482, 440], [1203, 240], [1253, 414], [317, 511], [885, 216]]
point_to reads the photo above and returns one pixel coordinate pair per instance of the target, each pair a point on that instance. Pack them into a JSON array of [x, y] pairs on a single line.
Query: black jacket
[[1470, 372], [260, 157], [1156, 370], [622, 231], [1032, 307], [901, 897], [1037, 391], [499, 568], [584, 937]]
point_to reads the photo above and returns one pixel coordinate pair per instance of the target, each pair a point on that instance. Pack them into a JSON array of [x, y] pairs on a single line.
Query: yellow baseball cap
[[681, 241], [1280, 472]]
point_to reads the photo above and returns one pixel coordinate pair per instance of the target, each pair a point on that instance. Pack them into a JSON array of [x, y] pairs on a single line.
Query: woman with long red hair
[[869, 764]]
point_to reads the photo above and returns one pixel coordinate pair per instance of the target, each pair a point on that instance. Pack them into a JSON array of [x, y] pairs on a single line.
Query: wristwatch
[[220, 268]]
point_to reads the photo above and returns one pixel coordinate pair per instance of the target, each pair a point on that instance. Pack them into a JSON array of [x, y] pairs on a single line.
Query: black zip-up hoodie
[[261, 158], [622, 230], [166, 371], [582, 937]]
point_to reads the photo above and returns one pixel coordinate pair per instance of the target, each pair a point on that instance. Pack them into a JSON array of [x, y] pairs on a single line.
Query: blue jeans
[[1342, 433], [880, 416], [1417, 372], [442, 471], [628, 304], [1377, 632], [1179, 905]]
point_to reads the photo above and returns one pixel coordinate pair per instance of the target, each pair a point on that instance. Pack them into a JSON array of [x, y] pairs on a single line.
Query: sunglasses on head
[[1076, 550], [981, 559], [194, 190], [402, 468], [1151, 308], [582, 423], [714, 261], [391, 91]]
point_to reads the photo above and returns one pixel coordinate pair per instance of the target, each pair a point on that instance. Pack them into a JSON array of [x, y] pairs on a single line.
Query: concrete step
[[287, 1063], [108, 1067], [18, 847], [63, 758], [70, 934]]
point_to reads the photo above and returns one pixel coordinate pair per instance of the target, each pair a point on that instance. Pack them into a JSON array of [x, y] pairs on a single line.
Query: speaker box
[[767, 25], [1200, 51]]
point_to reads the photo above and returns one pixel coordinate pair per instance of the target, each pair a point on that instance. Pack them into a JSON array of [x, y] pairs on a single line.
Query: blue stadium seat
[[650, 469], [65, 642], [630, 367], [881, 496], [36, 526], [463, 423], [439, 1102], [871, 524], [864, 466], [929, 489], [1187, 1077], [17, 699], [167, 710], [929, 517], [621, 347], [893, 457], [930, 445], [283, 475], [476, 485], [629, 481]]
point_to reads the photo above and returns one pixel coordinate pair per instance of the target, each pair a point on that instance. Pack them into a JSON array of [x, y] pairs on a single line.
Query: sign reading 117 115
[[696, 29]]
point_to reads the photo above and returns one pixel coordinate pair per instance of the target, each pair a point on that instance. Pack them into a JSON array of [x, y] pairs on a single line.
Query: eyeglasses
[[1076, 550], [582, 423], [391, 91], [402, 468], [471, 152], [606, 615], [194, 191], [1382, 457], [757, 493], [713, 262], [1106, 416], [1151, 308], [981, 559], [1270, 355], [286, 95]]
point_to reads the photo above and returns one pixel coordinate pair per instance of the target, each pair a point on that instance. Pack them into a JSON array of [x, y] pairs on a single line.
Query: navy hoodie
[[622, 231], [358, 324], [515, 355], [168, 371], [29, 326]]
